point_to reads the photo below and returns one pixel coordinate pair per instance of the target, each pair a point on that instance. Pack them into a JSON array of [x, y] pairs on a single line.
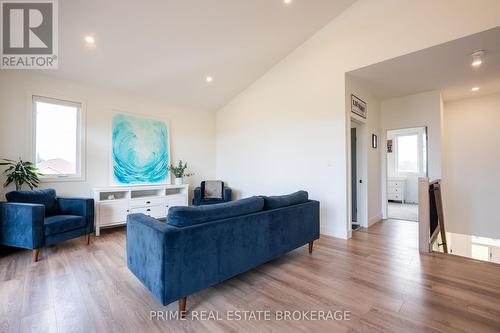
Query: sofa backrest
[[275, 202], [185, 216], [46, 197]]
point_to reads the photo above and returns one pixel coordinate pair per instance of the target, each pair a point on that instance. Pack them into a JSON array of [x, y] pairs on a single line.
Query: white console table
[[113, 204]]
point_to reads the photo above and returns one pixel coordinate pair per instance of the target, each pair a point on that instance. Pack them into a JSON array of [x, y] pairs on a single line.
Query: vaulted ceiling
[[166, 48]]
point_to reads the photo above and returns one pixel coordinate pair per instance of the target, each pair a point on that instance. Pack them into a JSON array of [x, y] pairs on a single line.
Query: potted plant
[[179, 172], [20, 173]]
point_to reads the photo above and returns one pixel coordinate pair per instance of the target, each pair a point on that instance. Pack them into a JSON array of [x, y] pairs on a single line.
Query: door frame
[[385, 173], [362, 141], [354, 175]]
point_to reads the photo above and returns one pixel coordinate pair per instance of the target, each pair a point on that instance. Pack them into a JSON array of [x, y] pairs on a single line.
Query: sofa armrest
[[146, 251], [80, 207], [227, 194], [21, 225], [197, 196]]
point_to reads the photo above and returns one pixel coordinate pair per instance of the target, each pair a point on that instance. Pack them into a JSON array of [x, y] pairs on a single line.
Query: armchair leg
[[87, 239], [182, 307], [311, 246], [34, 255]]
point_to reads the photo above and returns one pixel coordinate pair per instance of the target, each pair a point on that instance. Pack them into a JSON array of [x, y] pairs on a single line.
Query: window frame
[[81, 129], [420, 158], [396, 160]]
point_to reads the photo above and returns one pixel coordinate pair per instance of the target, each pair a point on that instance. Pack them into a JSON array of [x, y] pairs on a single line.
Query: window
[[407, 153], [57, 138]]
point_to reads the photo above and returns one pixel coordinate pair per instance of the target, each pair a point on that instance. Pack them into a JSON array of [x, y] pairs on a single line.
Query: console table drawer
[[111, 209], [115, 212], [146, 202], [395, 196], [153, 211], [176, 200]]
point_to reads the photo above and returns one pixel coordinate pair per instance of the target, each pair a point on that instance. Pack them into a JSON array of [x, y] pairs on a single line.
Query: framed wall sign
[[358, 106]]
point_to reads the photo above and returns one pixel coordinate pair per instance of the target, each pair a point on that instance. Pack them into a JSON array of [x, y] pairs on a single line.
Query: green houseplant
[[179, 172], [20, 173]]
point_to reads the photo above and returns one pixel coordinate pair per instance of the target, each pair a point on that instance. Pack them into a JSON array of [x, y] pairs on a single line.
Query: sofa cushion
[[212, 189], [186, 216], [61, 223], [280, 201], [46, 197]]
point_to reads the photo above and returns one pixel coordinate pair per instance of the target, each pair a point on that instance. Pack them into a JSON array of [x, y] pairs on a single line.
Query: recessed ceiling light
[[477, 58], [209, 79], [477, 63], [475, 89], [89, 40], [287, 1]]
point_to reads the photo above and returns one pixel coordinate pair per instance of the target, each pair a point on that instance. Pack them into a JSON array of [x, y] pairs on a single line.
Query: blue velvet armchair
[[34, 219], [200, 197]]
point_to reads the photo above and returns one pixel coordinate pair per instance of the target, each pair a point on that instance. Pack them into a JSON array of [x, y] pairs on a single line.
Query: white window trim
[[81, 140]]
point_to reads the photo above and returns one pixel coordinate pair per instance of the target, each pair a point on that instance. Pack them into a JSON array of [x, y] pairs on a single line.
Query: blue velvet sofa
[[201, 246], [34, 219], [200, 200]]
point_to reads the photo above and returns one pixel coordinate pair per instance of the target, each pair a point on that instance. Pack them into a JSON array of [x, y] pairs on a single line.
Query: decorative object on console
[[211, 192], [358, 106], [35, 219], [179, 172], [153, 200], [140, 151], [20, 173], [389, 146]]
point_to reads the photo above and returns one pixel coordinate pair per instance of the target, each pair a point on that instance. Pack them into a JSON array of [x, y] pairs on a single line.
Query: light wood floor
[[378, 275]]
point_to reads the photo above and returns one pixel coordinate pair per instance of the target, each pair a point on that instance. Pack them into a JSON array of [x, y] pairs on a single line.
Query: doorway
[[358, 159], [354, 179], [406, 162]]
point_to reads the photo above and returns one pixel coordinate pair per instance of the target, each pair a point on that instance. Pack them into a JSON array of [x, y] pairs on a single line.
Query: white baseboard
[[374, 219], [332, 233]]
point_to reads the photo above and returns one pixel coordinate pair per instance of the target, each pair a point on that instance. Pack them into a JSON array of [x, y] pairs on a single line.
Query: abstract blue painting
[[139, 150]]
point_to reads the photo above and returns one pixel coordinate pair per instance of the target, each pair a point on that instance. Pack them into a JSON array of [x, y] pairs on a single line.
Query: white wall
[[369, 165], [289, 130], [418, 110], [192, 132], [471, 170]]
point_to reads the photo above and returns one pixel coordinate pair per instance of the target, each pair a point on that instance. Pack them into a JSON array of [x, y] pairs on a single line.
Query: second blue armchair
[[34, 219], [211, 192]]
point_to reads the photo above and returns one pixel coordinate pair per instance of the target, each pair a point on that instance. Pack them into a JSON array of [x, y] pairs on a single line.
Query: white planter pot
[[178, 181]]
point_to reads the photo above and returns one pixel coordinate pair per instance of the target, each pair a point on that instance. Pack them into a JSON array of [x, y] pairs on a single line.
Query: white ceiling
[[446, 67], [166, 48]]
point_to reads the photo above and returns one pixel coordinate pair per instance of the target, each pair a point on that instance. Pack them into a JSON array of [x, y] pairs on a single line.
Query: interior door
[[354, 176]]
